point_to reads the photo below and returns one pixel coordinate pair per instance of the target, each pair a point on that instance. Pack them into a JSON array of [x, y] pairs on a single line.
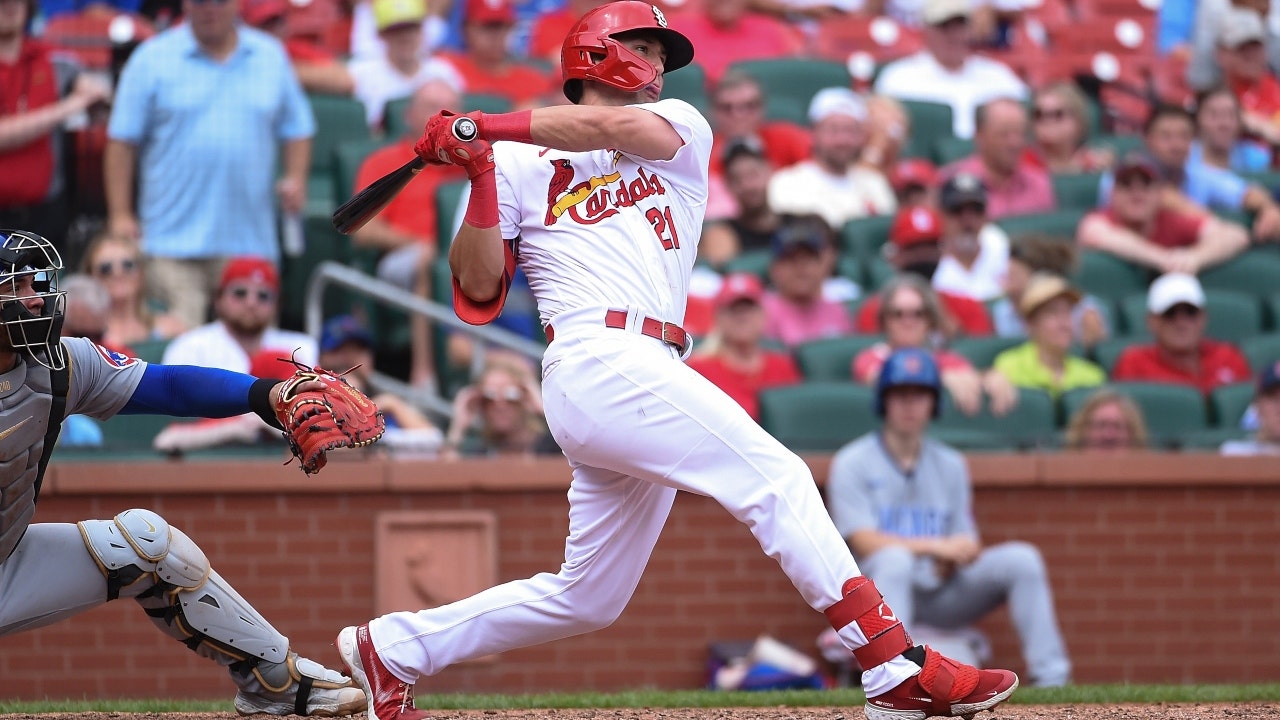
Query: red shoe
[[389, 697], [943, 688]]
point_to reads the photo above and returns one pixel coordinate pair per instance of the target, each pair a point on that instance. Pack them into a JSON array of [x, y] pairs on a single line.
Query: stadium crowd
[[1086, 246]]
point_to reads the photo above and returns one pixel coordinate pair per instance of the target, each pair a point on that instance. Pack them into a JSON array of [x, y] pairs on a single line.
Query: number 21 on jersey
[[664, 227]]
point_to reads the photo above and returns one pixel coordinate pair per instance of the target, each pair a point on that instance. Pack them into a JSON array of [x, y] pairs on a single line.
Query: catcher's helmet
[[909, 367], [29, 267], [591, 53]]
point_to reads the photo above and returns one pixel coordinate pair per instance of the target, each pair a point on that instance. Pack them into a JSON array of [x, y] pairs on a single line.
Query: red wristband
[[482, 206], [513, 126]]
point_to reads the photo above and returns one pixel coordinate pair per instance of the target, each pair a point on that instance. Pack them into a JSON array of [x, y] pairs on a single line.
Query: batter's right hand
[[124, 227]]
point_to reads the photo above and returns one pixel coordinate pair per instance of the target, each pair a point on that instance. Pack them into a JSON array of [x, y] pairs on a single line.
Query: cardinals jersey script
[[605, 229]]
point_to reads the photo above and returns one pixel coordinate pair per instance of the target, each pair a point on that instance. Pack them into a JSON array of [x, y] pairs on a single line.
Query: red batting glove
[[439, 146]]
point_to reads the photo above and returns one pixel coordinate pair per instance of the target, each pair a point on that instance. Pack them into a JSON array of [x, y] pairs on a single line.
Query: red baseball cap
[[739, 286], [257, 12], [915, 171], [272, 364], [490, 11], [250, 268], [915, 225]]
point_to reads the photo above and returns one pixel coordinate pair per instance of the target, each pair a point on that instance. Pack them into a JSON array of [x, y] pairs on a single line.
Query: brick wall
[[1165, 568]]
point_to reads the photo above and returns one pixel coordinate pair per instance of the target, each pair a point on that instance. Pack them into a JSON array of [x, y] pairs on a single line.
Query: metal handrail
[[329, 273]]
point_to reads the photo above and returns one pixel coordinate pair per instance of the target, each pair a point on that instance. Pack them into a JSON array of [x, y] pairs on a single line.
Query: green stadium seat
[[1229, 403], [863, 237], [1108, 277], [133, 433], [348, 157], [1059, 224], [1031, 424], [790, 83], [1211, 439], [448, 199], [689, 83], [1261, 350], [877, 272], [1233, 316], [848, 266], [323, 243], [1119, 144], [1172, 412], [949, 149], [1256, 272], [1269, 179], [1108, 351], [338, 120], [930, 122], [982, 351], [817, 416], [151, 351], [755, 262], [1076, 190], [832, 358]]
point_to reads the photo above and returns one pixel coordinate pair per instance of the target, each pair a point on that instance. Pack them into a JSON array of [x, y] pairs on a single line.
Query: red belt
[[669, 333]]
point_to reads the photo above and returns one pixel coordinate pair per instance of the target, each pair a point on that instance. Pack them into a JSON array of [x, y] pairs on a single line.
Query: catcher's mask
[[29, 267]]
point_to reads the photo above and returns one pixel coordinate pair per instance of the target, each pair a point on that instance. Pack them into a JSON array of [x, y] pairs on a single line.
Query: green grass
[[1076, 694]]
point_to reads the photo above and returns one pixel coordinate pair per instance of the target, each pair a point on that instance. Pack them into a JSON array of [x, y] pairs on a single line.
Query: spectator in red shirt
[[486, 66], [1242, 56], [738, 364], [751, 228], [317, 69], [914, 249], [797, 310], [1015, 185], [725, 31], [1176, 318], [405, 231], [1138, 228], [34, 103]]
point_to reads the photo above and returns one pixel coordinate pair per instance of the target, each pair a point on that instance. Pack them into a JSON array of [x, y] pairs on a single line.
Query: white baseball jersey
[[602, 228]]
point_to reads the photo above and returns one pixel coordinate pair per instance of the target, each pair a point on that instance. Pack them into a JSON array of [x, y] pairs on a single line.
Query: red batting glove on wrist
[[439, 146]]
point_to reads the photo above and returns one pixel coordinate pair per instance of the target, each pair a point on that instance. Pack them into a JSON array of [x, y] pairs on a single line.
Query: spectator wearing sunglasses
[[117, 265], [1060, 132], [201, 113], [1045, 362], [1176, 319], [500, 414], [245, 307]]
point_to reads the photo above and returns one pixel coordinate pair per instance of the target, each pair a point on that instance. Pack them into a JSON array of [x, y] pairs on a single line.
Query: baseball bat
[[354, 213]]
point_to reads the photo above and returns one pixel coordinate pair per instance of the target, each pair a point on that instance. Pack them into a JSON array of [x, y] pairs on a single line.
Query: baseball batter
[[601, 203], [51, 571]]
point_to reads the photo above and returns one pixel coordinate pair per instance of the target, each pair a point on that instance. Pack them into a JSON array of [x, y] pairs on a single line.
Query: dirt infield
[[1161, 711]]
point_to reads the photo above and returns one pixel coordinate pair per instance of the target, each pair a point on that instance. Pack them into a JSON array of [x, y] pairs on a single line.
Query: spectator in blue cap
[[1266, 402]]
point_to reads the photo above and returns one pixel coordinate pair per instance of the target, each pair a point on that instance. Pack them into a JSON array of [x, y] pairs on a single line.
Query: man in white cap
[[1242, 56], [1176, 318], [831, 183], [947, 71], [1210, 15]]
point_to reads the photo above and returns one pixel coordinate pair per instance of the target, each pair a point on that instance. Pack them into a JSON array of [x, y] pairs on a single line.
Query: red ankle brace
[[862, 603]]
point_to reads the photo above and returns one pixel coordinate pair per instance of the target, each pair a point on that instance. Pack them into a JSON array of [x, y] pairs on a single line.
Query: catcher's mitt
[[317, 421]]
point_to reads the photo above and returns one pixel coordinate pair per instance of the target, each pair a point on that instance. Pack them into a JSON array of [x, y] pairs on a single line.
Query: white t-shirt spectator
[[377, 82], [212, 346], [979, 80], [807, 188], [985, 280], [365, 42]]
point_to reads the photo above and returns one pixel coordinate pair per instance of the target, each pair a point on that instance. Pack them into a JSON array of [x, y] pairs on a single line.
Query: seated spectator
[[1031, 254], [117, 265], [1242, 57], [796, 309], [400, 69], [486, 65], [500, 414], [1209, 18], [1168, 135], [1045, 361], [914, 182], [746, 175], [317, 69], [246, 306], [1266, 401], [737, 363], [832, 183], [1060, 131], [1107, 421], [888, 129], [726, 31], [903, 502], [975, 252], [1015, 185], [550, 28], [948, 71], [1176, 319], [1219, 135], [347, 347], [405, 231], [911, 316], [1136, 227], [365, 42]]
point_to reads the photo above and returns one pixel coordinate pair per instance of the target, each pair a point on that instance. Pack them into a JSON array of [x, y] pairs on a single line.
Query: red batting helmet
[[590, 51]]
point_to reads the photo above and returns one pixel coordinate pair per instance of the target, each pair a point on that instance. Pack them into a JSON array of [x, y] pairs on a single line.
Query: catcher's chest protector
[[25, 400]]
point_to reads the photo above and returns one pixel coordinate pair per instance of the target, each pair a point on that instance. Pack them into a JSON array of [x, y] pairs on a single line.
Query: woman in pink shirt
[[910, 315]]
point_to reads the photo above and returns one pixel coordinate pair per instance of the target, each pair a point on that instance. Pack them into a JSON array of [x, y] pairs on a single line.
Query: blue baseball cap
[[909, 367], [343, 329], [1269, 378]]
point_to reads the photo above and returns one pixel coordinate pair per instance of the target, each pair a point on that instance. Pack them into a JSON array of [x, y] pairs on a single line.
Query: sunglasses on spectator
[[905, 313], [509, 394], [740, 107], [1049, 114], [107, 268], [244, 293], [1172, 313]]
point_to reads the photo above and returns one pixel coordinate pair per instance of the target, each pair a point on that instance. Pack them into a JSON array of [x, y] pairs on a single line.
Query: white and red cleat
[[389, 697], [943, 688]]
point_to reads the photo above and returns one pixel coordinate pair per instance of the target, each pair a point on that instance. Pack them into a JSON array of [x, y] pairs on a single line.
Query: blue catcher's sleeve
[[192, 391]]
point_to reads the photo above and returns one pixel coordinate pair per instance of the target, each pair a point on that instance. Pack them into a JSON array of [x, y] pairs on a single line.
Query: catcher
[[50, 571]]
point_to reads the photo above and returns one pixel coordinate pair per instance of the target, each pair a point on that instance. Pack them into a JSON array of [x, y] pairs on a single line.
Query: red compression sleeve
[[482, 206], [513, 126]]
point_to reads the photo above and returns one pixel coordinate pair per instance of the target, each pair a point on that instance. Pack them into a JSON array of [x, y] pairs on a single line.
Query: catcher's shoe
[[314, 690], [388, 697], [943, 688]]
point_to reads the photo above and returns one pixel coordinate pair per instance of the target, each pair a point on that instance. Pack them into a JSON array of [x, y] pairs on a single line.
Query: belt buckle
[[669, 337]]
